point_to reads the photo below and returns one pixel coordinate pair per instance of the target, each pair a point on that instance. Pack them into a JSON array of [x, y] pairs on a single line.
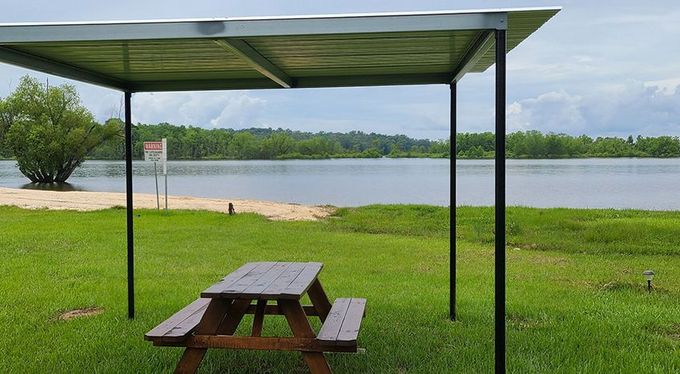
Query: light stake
[[649, 275]]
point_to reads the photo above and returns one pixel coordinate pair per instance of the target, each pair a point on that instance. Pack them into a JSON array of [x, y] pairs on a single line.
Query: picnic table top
[[266, 281]]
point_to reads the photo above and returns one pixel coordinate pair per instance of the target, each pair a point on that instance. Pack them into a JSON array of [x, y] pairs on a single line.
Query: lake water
[[584, 183]]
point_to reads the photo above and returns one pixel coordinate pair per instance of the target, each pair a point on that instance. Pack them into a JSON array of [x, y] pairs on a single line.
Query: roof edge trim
[[10, 34]]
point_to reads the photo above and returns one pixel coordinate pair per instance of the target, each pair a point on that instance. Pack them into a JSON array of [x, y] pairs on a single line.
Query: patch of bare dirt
[[77, 313], [671, 331], [522, 322]]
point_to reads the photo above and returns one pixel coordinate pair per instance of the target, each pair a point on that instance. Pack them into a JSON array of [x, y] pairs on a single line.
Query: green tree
[[114, 147], [277, 144], [319, 146], [535, 144], [662, 146], [50, 132], [442, 147], [611, 147], [6, 119], [243, 146]]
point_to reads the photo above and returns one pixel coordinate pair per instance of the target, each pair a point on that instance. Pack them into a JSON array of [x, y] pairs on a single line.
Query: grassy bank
[[576, 297]]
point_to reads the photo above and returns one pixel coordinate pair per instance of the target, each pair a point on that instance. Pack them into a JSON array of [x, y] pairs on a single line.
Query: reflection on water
[[52, 187], [595, 183]]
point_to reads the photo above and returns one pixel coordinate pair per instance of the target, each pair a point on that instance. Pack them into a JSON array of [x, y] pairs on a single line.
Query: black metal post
[[452, 209], [128, 193], [500, 204], [158, 198]]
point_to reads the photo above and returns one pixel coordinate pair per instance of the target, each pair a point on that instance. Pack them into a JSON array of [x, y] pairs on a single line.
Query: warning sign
[[153, 151]]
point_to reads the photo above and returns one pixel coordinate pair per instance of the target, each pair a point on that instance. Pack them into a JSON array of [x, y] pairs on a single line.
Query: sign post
[[155, 152], [155, 173], [164, 142]]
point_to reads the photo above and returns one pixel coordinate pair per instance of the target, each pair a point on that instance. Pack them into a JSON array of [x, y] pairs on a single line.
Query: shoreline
[[459, 158], [90, 201]]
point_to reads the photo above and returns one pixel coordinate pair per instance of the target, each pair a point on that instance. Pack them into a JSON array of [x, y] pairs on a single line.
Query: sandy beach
[[85, 201]]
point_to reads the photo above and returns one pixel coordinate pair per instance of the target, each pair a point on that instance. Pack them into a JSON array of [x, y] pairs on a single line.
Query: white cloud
[[204, 109], [665, 86], [239, 111], [631, 107], [551, 109]]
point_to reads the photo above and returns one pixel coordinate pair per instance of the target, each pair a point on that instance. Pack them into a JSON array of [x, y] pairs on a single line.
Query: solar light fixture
[[649, 275]]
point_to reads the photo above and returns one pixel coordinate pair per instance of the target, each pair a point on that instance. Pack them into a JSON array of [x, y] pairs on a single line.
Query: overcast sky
[[596, 68]]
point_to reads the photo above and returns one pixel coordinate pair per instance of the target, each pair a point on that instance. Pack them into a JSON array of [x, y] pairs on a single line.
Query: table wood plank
[[267, 280], [331, 327], [255, 289], [253, 276], [303, 281], [283, 281], [352, 322], [231, 278], [195, 310], [243, 270], [223, 288], [186, 327]]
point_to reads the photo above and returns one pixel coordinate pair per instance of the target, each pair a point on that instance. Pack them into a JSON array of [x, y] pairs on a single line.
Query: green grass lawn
[[576, 296]]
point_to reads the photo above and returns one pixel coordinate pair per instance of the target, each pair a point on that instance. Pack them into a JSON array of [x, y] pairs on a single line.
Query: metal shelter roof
[[270, 52], [290, 52]]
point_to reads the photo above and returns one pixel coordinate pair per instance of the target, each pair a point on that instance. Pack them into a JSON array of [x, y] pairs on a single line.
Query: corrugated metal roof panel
[[521, 24], [242, 53]]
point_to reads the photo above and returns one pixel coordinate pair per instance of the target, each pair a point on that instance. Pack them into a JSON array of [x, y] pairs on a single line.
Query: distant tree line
[[195, 143], [536, 145]]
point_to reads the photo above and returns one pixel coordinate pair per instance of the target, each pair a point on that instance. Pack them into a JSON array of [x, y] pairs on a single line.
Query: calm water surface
[[584, 183]]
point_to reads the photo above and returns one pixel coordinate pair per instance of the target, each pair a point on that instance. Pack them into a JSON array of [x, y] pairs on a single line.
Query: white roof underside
[[270, 52]]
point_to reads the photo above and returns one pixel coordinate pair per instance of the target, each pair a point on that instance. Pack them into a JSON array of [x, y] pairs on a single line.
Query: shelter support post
[[452, 209], [499, 279], [128, 194]]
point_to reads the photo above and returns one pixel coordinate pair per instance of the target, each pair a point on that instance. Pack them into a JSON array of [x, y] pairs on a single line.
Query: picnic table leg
[[192, 357], [319, 299], [234, 316], [297, 319], [258, 319], [222, 317]]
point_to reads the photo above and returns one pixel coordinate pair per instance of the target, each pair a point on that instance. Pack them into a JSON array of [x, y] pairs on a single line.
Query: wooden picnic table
[[211, 320]]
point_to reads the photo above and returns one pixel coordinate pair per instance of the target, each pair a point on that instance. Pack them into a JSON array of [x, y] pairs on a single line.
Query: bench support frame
[[258, 343], [297, 320], [222, 317]]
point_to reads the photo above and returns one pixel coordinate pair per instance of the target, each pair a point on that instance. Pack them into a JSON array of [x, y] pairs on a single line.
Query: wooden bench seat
[[343, 322], [180, 326], [340, 328]]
